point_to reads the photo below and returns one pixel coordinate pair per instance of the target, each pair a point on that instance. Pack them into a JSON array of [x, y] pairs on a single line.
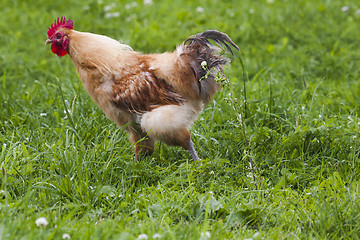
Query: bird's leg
[[192, 151], [183, 139], [143, 145]]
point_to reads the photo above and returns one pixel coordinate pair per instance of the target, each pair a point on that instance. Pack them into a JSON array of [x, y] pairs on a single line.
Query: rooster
[[155, 97]]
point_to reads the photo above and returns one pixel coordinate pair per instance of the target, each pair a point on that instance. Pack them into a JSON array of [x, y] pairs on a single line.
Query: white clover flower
[[253, 237], [205, 234], [130, 18], [131, 5], [41, 222], [109, 7], [112, 15], [143, 236], [156, 236], [148, 2], [200, 9], [345, 8], [66, 236]]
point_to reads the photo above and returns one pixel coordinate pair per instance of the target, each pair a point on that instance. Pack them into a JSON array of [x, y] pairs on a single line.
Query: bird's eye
[[58, 36]]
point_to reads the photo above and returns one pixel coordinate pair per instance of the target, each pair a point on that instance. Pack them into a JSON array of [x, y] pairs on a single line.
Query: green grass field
[[298, 103]]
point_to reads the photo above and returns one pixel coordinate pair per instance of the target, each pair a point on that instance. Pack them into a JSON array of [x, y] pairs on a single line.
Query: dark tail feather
[[199, 49], [221, 39]]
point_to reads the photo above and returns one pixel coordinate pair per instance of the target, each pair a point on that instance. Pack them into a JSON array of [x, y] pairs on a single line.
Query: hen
[[156, 97]]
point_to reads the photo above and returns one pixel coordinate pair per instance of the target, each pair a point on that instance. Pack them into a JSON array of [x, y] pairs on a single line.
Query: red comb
[[60, 23]]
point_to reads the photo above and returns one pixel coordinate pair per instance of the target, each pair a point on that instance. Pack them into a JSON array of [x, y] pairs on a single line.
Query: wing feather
[[141, 91]]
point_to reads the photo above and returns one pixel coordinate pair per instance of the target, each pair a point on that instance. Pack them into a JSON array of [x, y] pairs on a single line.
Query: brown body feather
[[158, 96], [141, 90]]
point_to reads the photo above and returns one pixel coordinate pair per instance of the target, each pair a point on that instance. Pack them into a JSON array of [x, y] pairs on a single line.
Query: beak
[[48, 41]]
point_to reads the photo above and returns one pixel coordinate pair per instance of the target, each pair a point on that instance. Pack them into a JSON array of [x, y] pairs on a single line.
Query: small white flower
[[107, 8], [200, 9], [345, 8], [142, 236], [130, 5], [156, 236], [203, 64], [270, 1], [230, 12], [41, 222], [251, 11], [148, 2], [43, 114], [112, 15], [66, 236], [128, 19], [256, 235], [100, 2], [205, 234], [86, 7]]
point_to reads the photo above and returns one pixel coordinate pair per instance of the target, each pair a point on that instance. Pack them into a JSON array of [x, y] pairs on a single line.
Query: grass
[[63, 160]]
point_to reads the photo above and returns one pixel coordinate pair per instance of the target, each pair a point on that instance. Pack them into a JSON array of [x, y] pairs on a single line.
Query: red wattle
[[58, 50]]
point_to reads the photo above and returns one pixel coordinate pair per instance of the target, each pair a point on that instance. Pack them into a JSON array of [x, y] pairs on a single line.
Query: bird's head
[[57, 36]]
